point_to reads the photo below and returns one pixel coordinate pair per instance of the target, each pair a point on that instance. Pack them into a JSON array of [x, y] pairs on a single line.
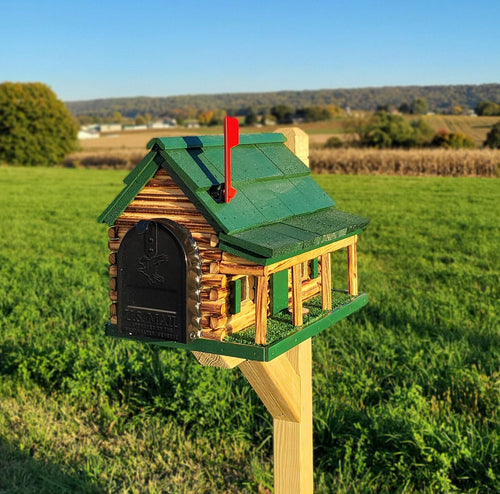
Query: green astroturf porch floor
[[281, 334]]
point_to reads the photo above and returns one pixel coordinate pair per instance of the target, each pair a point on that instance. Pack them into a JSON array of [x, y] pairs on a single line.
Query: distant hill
[[439, 98]]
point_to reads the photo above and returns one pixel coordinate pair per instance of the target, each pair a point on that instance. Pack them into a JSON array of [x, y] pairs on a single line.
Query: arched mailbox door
[[159, 283]]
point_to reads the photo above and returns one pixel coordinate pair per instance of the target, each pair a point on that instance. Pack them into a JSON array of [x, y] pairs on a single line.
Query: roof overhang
[[274, 242]]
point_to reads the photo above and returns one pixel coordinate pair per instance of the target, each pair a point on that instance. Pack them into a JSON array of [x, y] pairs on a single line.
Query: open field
[[406, 392], [319, 132], [125, 149], [475, 127]]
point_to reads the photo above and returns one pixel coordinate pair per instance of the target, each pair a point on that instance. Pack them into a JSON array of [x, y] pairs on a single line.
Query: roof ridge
[[194, 142]]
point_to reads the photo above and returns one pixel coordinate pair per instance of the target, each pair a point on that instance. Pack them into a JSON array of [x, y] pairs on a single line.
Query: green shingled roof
[[278, 209]]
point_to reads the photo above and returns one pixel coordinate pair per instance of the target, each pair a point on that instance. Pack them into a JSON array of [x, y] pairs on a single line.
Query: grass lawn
[[406, 391]]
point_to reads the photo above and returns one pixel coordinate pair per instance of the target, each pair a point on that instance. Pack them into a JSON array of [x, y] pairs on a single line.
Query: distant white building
[[135, 127], [88, 134], [166, 123], [114, 127]]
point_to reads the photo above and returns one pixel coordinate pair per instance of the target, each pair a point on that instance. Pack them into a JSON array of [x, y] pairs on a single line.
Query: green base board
[[262, 353]]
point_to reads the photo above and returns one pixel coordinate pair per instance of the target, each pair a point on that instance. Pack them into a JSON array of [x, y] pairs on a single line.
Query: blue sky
[[109, 48]]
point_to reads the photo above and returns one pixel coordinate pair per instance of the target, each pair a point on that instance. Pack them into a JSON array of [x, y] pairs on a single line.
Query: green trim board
[[314, 268], [278, 289], [261, 353], [139, 167], [236, 296], [133, 187]]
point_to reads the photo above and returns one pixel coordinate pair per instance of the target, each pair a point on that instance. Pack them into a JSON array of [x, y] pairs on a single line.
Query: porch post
[[352, 267], [261, 310], [326, 281], [297, 318]]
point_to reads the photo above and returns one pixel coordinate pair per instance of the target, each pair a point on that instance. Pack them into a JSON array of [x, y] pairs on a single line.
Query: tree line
[[440, 99], [36, 128]]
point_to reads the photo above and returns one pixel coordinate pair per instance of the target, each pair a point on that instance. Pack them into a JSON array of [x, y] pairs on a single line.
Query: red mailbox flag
[[231, 139]]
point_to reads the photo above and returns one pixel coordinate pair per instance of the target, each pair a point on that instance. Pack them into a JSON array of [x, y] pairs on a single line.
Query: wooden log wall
[[162, 198]]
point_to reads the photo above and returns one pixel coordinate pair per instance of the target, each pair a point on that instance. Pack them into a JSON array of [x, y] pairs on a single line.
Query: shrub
[[384, 130], [452, 140], [36, 128], [334, 142], [493, 137]]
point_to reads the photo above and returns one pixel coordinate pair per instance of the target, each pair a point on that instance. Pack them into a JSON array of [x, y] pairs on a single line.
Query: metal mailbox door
[[154, 284]]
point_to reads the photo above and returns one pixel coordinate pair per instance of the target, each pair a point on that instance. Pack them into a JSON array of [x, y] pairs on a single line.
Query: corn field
[[413, 162]]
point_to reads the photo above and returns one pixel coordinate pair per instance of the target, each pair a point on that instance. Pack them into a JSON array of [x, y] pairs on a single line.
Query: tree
[[420, 106], [423, 132], [493, 137], [385, 130], [404, 108], [36, 128], [335, 111], [315, 113], [117, 117], [205, 117], [356, 126], [218, 117], [487, 108], [283, 113], [383, 107], [251, 118]]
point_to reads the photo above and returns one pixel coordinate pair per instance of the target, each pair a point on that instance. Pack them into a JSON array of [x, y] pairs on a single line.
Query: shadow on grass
[[21, 473]]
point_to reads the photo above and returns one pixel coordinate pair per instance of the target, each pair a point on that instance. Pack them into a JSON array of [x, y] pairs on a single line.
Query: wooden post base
[[285, 387]]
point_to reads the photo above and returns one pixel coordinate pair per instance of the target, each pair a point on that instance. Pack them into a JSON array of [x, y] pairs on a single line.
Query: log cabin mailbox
[[233, 263]]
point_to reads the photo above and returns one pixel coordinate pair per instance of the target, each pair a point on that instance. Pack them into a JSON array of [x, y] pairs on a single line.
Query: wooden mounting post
[[285, 387], [297, 141]]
